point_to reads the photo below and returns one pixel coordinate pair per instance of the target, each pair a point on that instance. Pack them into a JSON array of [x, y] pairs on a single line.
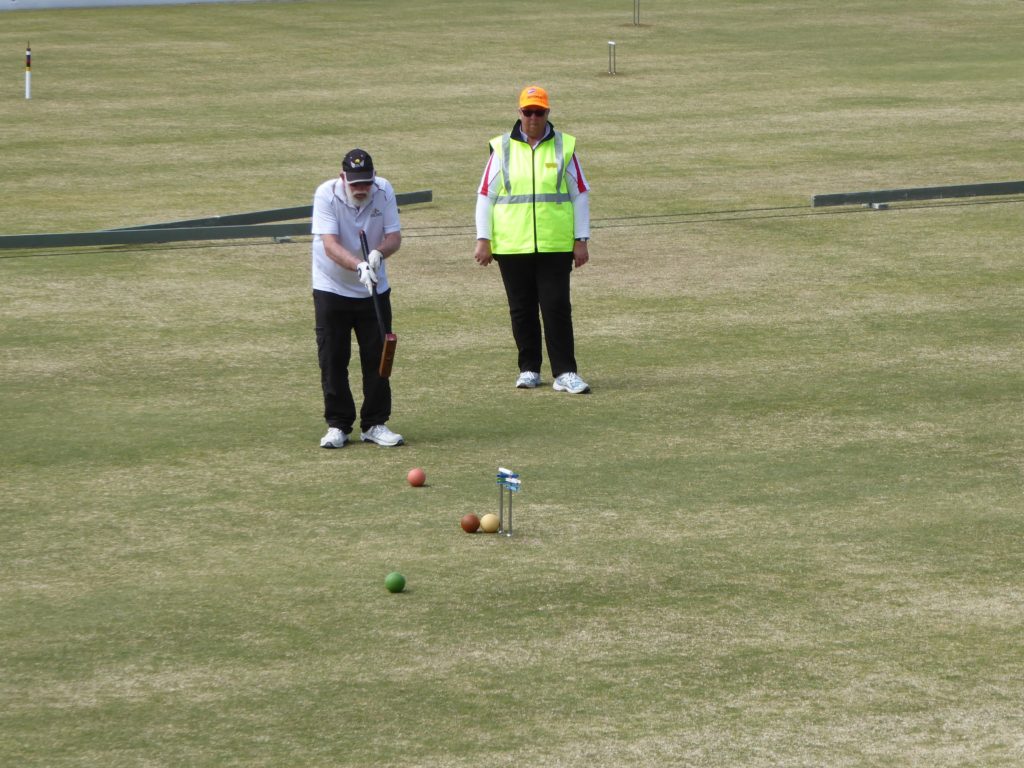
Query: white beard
[[352, 200]]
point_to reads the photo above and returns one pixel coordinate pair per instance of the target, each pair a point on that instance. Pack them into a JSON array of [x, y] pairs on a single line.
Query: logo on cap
[[533, 96], [358, 166]]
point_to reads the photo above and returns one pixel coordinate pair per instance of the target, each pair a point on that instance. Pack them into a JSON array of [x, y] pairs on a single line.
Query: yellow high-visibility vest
[[533, 211]]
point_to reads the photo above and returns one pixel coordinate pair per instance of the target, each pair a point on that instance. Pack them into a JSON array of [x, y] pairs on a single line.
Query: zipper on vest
[[533, 206]]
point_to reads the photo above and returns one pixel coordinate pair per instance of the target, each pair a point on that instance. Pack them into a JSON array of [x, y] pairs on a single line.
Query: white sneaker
[[381, 435], [528, 380], [571, 383], [334, 438]]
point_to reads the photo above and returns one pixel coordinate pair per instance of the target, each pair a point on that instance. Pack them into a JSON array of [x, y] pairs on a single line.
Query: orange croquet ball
[[489, 523], [417, 477], [470, 523]]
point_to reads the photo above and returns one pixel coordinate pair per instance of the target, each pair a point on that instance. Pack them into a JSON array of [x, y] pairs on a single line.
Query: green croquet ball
[[395, 582]]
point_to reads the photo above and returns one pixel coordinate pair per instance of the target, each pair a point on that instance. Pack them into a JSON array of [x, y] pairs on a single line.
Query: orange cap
[[533, 96]]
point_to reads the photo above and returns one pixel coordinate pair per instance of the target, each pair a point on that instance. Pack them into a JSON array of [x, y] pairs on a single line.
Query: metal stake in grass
[[513, 487], [611, 57], [507, 481], [501, 501], [636, 13]]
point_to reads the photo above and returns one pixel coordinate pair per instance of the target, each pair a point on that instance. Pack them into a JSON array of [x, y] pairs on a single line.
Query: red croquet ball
[[470, 523], [417, 477]]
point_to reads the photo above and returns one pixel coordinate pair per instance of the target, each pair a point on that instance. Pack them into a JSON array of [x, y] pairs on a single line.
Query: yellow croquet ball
[[489, 523]]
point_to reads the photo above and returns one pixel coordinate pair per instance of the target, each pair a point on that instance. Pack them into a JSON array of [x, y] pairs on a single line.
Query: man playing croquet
[[343, 282]]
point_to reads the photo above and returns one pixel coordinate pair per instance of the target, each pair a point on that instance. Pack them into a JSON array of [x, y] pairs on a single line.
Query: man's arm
[[579, 193], [482, 252], [339, 254], [486, 194], [391, 239], [390, 244]]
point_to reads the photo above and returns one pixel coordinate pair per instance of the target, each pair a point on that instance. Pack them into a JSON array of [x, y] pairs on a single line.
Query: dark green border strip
[[231, 227], [273, 214], [919, 193], [142, 236], [253, 217]]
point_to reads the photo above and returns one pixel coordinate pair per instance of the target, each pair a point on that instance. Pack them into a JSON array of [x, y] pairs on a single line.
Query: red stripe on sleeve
[[487, 175], [579, 175]]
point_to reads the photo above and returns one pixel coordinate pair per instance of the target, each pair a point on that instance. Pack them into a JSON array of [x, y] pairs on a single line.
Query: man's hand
[[482, 253], [374, 259], [580, 253], [366, 275]]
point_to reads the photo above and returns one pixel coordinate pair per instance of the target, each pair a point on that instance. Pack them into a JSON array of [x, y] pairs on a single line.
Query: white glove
[[374, 259], [366, 275]]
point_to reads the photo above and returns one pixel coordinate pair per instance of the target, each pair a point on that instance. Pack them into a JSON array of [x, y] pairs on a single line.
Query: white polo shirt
[[334, 215]]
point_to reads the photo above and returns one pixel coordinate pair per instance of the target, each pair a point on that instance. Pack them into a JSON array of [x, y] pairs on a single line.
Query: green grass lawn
[[784, 530]]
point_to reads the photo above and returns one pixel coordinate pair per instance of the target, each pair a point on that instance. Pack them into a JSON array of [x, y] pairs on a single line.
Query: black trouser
[[336, 318], [540, 280]]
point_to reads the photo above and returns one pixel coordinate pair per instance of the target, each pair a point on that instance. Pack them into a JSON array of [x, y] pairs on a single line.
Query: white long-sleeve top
[[579, 192]]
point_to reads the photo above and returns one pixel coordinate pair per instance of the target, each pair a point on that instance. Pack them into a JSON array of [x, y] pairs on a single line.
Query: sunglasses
[[533, 112]]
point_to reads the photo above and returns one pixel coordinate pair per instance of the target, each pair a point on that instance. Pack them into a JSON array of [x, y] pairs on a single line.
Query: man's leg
[[519, 274], [376, 408], [553, 271], [334, 348]]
